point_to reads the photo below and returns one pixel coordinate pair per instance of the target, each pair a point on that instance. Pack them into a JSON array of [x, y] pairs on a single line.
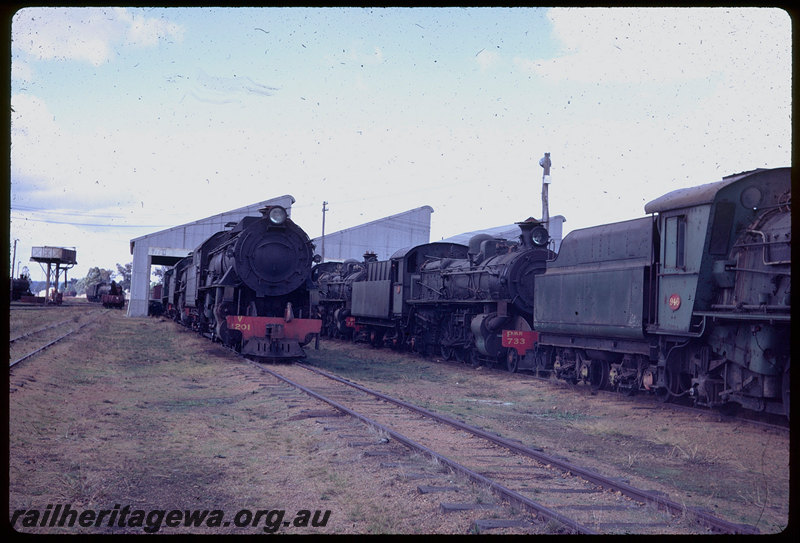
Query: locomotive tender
[[692, 300], [248, 287]]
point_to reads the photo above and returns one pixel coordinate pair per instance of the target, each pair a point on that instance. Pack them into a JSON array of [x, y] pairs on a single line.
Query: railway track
[[548, 488], [764, 420], [27, 344]]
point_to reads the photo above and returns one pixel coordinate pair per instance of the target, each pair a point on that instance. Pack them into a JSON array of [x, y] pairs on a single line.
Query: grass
[[156, 415]]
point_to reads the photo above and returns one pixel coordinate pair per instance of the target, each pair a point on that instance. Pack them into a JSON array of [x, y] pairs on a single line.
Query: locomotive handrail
[[762, 243], [656, 329], [770, 317], [765, 272], [485, 269], [765, 243], [665, 274], [420, 283], [764, 307]]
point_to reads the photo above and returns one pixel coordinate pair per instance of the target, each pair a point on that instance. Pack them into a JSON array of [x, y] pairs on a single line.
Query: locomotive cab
[[725, 277]]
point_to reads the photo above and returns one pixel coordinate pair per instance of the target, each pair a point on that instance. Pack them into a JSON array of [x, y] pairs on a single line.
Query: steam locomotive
[[20, 286], [690, 301], [693, 300], [108, 294], [437, 298], [248, 287]]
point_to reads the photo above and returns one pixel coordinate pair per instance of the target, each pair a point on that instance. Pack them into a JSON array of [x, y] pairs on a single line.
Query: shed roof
[[213, 218]]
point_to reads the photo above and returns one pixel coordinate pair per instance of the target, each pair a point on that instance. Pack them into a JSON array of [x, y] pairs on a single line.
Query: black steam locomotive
[[692, 300], [20, 286], [108, 294], [437, 298], [248, 287]]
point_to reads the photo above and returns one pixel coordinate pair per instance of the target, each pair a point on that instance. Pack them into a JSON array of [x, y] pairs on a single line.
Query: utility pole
[[324, 209], [545, 163], [14, 258]]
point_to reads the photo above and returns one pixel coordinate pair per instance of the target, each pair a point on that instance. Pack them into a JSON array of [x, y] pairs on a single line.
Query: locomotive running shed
[[167, 247]]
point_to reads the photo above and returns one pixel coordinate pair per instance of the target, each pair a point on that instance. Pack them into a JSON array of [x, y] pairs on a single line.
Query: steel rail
[[598, 479], [40, 349], [48, 327], [512, 496], [38, 330]]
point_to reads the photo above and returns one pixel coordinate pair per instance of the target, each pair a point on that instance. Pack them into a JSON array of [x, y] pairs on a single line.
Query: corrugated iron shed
[[166, 247], [382, 237]]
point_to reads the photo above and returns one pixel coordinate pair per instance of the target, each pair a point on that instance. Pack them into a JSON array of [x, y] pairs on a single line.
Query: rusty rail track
[[773, 422], [41, 348], [647, 509]]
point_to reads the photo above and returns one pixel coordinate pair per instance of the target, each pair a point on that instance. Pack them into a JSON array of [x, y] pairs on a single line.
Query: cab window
[[675, 242]]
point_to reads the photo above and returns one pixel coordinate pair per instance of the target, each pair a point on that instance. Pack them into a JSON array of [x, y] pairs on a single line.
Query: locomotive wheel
[[664, 394], [598, 374], [376, 339], [474, 361], [544, 362], [512, 361], [447, 352], [677, 383]]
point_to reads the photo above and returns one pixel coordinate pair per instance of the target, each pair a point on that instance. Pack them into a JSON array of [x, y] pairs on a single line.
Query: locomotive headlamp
[[540, 236], [277, 215]]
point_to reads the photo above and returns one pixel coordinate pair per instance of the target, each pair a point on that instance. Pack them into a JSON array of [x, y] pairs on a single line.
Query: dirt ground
[[156, 419]]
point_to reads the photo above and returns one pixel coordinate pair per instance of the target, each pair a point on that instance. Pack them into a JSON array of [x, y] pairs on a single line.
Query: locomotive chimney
[[526, 233]]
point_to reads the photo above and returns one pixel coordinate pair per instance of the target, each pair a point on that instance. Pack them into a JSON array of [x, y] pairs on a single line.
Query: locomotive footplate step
[[452, 507]]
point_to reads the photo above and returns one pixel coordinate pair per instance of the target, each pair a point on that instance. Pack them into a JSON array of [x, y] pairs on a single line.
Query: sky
[[126, 121]]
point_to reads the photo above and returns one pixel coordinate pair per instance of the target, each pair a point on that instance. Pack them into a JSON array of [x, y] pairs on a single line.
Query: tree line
[[96, 275]]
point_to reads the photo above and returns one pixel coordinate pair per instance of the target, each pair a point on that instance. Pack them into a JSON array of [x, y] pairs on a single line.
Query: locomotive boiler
[[248, 287], [333, 293], [464, 305]]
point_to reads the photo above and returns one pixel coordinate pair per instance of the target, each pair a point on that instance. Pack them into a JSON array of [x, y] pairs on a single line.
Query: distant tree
[[96, 275], [125, 273], [158, 274]]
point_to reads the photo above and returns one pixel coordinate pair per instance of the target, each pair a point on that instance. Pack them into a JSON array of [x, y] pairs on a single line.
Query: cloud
[[85, 34], [223, 90], [621, 45], [147, 31]]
